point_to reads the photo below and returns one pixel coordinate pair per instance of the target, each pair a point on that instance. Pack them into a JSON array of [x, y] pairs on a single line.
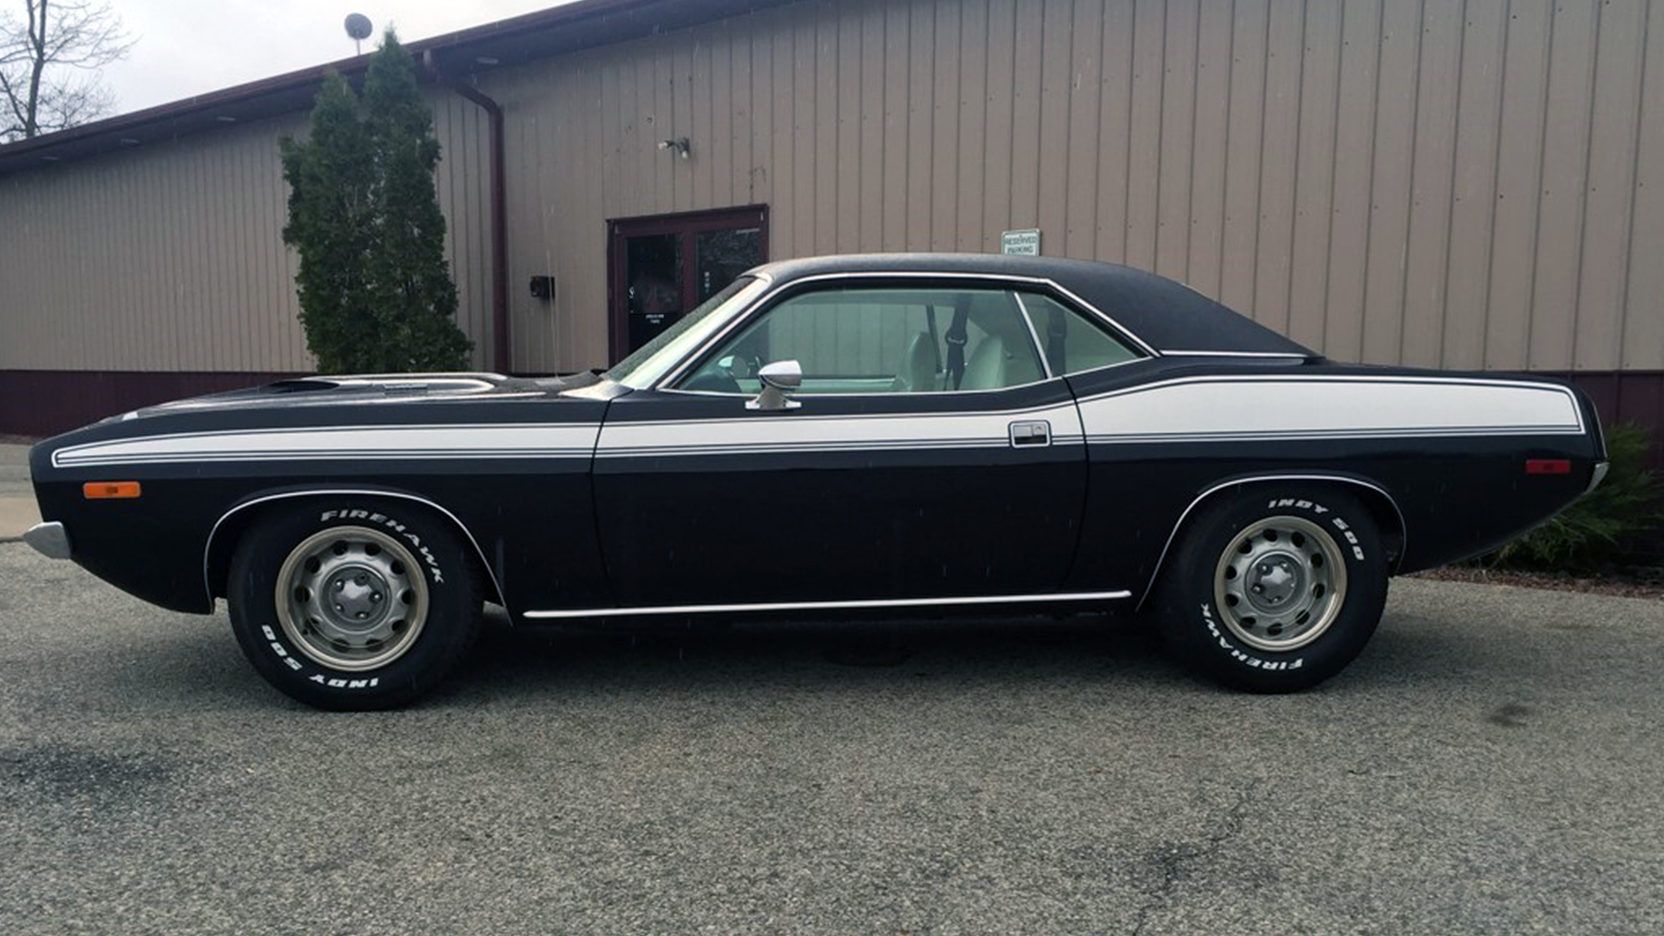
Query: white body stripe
[[340, 443], [792, 432], [1197, 409], [1191, 409]]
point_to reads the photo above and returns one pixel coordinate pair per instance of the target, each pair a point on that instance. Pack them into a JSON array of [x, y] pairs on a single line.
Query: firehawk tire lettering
[[397, 527], [1241, 657]]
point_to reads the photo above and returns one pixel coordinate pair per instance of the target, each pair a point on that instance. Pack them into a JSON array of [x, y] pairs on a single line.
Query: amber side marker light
[[110, 490], [1548, 466]]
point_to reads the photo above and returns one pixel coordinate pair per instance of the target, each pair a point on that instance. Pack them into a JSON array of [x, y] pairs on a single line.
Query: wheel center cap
[[357, 596], [1274, 580]]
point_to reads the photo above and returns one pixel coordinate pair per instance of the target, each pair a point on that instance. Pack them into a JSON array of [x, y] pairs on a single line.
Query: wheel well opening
[[235, 525], [1382, 510]]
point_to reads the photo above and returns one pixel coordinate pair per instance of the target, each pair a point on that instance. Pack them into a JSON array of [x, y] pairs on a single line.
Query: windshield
[[653, 360]]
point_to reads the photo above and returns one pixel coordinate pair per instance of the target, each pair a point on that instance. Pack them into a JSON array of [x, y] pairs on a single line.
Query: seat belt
[[935, 347], [956, 342]]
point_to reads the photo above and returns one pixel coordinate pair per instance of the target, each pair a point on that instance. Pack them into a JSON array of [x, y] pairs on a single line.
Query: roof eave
[[541, 34]]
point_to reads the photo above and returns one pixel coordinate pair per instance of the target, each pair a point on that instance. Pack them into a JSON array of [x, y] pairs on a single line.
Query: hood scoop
[[391, 384], [351, 388]]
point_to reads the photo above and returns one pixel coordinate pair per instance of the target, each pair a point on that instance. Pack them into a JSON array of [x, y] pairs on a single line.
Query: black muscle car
[[873, 434]]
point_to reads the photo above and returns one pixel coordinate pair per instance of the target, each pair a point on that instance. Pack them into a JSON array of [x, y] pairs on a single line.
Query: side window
[[1071, 342], [882, 340]]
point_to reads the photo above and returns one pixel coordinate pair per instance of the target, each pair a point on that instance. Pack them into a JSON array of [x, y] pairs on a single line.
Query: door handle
[[1031, 433]]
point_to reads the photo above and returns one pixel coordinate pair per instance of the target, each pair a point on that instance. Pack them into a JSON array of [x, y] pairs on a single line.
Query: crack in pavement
[[1173, 859]]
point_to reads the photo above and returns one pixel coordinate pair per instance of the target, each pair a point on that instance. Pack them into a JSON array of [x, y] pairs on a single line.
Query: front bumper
[[50, 539]]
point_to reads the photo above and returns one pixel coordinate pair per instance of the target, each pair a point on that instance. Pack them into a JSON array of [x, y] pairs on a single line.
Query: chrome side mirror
[[779, 378]]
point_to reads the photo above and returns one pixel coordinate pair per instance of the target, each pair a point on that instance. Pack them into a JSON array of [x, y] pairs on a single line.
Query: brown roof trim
[[543, 33]]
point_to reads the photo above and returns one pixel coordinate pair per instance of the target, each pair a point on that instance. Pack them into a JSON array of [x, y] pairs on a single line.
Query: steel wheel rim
[[351, 598], [1280, 583]]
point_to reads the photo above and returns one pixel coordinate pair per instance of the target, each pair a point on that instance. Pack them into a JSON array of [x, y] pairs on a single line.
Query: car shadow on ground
[[832, 656], [720, 650], [195, 665]]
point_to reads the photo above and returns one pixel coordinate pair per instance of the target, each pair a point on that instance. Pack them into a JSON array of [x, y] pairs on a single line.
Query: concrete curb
[[17, 515]]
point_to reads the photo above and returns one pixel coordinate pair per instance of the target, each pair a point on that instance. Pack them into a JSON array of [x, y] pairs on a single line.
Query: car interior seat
[[988, 366], [918, 366]]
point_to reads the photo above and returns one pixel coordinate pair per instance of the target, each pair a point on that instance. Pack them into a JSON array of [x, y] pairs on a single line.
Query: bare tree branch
[[40, 53]]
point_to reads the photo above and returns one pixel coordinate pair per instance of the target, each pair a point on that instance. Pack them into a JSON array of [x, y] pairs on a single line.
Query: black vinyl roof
[[1167, 315]]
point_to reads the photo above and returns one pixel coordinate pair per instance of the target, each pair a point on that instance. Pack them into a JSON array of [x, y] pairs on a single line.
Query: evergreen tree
[[375, 291]]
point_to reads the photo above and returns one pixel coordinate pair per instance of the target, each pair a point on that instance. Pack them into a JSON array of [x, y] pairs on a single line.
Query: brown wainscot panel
[[41, 402], [1635, 396]]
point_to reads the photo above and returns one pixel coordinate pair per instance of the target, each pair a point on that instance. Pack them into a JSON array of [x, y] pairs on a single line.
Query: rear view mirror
[[779, 378]]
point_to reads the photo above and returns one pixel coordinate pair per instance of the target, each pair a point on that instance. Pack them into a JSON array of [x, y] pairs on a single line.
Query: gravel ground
[[1491, 764], [1632, 582]]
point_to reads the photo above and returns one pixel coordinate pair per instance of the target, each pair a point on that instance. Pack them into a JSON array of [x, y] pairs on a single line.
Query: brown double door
[[661, 267]]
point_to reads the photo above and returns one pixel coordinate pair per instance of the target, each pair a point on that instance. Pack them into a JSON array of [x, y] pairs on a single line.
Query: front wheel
[[1275, 590], [364, 605]]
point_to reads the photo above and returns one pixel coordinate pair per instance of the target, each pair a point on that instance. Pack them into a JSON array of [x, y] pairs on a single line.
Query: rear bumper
[[50, 539], [1598, 475]]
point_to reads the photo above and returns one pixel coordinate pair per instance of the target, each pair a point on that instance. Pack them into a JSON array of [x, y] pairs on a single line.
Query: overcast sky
[[188, 47]]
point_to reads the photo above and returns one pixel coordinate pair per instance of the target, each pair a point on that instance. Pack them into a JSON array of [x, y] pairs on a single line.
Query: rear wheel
[[359, 606], [1275, 590]]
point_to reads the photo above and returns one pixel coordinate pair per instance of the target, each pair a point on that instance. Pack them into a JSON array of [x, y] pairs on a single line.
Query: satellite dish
[[358, 29]]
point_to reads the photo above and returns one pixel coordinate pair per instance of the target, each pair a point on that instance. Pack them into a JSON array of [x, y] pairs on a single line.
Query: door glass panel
[[721, 256], [653, 276], [1070, 341], [882, 341]]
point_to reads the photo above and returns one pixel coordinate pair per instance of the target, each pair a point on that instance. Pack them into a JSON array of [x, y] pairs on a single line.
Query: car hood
[[366, 389], [358, 400]]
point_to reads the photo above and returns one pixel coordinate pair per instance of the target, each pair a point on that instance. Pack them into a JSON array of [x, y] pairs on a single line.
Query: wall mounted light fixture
[[679, 145]]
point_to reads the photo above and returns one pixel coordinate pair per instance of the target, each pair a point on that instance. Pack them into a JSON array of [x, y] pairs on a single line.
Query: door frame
[[686, 223]]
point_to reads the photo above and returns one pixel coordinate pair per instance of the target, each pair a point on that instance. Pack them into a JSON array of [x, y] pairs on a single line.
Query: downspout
[[498, 212]]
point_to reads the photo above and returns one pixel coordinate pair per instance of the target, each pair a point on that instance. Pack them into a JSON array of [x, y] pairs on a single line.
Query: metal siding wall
[[1434, 182], [165, 258], [1460, 183], [170, 257]]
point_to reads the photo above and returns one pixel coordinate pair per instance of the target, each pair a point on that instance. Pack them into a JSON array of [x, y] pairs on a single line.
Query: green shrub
[[1595, 530], [375, 290]]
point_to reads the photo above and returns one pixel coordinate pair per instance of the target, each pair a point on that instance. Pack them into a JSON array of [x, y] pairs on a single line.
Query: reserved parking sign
[[1021, 243]]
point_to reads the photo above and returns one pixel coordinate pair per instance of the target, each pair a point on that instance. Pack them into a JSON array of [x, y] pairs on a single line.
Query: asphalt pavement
[[1491, 764], [14, 470], [17, 497]]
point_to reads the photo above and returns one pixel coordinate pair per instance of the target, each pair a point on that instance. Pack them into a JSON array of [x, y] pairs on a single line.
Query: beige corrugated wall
[[162, 258], [1439, 182], [170, 257]]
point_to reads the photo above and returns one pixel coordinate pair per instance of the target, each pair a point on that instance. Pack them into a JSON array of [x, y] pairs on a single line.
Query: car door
[[929, 455]]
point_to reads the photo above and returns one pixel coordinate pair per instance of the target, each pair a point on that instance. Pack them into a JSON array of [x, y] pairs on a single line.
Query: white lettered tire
[[353, 604], [1274, 588]]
